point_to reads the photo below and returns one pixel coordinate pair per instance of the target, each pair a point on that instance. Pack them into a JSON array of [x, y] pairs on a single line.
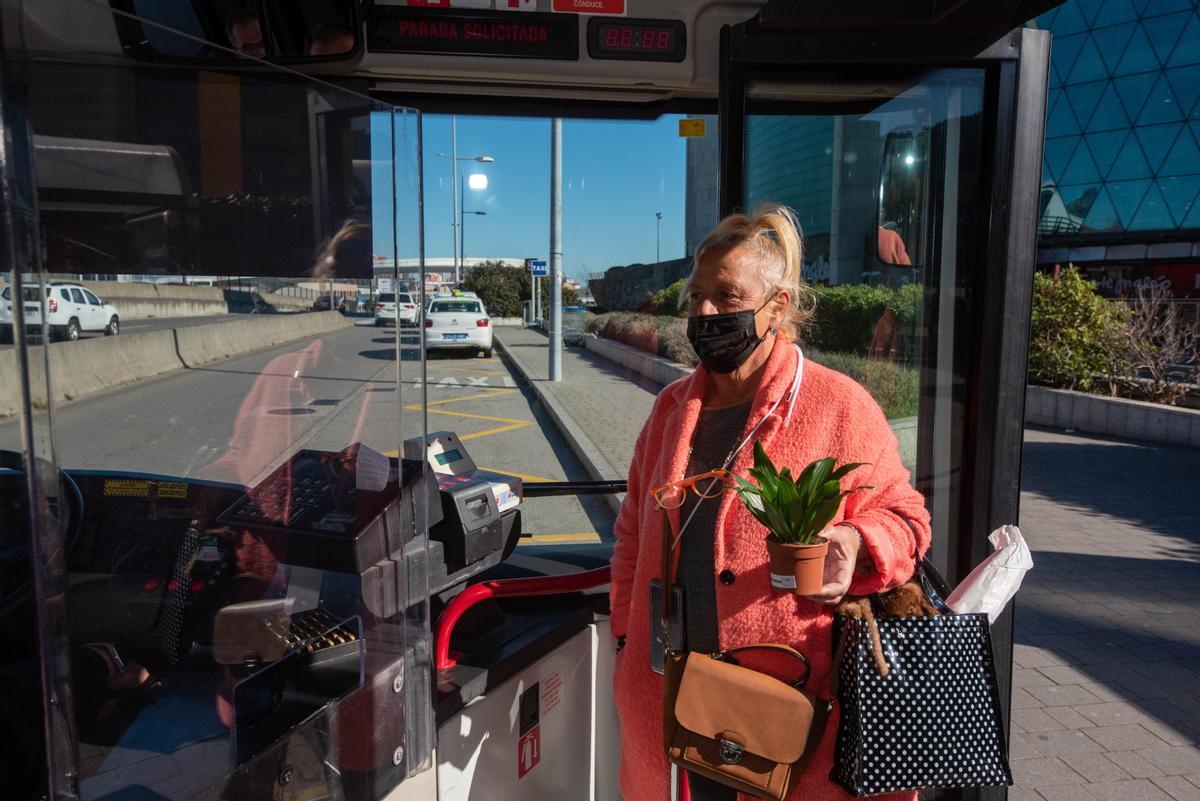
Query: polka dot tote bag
[[920, 707]]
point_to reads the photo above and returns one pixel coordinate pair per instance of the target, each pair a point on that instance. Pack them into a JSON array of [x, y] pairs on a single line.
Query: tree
[[503, 289], [500, 287], [1158, 342]]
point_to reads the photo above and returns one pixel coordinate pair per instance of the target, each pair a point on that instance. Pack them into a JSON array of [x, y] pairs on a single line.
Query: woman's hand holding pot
[[840, 561]]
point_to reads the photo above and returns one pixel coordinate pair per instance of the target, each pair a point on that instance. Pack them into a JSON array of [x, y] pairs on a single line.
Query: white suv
[[71, 309], [395, 307]]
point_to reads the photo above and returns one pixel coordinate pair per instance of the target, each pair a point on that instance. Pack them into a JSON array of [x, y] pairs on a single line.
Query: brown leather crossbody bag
[[734, 725]]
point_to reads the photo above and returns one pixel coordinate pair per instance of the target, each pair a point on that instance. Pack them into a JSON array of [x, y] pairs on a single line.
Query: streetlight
[[454, 189], [658, 236], [462, 233]]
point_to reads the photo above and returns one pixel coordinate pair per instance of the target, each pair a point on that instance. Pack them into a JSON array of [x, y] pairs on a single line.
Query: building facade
[[1121, 171], [1121, 168]]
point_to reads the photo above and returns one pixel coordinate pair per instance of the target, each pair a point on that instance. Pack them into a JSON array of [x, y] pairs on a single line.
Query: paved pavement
[[1106, 690]]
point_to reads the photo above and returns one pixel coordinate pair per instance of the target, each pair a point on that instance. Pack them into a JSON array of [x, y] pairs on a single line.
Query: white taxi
[[459, 322]]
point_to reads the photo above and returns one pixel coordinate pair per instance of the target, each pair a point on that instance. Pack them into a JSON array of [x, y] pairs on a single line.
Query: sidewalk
[[1106, 674]]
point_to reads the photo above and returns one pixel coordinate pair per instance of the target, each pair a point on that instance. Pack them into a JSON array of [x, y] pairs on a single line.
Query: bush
[[895, 388], [846, 315], [503, 289], [1076, 335], [662, 336], [666, 301]]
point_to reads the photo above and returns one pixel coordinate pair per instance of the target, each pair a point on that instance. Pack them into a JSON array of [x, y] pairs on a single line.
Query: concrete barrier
[[1115, 417], [139, 301], [664, 371], [91, 366], [204, 344]]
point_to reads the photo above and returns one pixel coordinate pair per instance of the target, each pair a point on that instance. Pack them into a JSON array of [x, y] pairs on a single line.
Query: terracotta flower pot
[[799, 569]]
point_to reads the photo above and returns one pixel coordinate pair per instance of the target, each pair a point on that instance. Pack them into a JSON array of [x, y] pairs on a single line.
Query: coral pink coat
[[833, 416]]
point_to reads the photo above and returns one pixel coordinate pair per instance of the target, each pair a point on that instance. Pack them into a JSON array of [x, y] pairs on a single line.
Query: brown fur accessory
[[907, 600]]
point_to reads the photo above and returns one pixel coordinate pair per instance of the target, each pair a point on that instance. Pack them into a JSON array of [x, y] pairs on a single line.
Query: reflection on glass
[[228, 433], [311, 29], [869, 189]]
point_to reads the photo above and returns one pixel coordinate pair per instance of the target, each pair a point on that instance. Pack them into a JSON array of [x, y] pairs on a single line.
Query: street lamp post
[[462, 242], [455, 219], [657, 236]]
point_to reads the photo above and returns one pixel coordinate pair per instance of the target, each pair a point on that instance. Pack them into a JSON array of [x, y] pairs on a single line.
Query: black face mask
[[725, 341]]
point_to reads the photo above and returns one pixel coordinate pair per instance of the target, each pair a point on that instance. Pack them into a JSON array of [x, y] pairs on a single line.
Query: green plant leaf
[[845, 469], [761, 460], [819, 475], [822, 514]]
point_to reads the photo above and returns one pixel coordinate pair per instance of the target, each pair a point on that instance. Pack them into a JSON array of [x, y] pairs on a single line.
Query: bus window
[[885, 193]]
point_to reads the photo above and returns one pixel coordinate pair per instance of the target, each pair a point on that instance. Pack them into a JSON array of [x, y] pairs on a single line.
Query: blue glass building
[[1121, 169]]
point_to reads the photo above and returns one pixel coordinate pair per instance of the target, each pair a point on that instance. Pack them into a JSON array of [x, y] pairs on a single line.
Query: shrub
[[503, 289], [1156, 341], [666, 301], [895, 388], [846, 315], [1076, 335], [662, 336]]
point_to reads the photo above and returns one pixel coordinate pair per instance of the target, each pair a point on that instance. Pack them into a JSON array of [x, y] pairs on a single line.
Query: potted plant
[[795, 511]]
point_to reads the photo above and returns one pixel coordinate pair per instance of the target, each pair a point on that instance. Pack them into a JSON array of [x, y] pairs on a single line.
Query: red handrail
[[508, 588]]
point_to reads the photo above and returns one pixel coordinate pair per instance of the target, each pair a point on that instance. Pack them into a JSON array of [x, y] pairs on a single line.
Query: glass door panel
[[885, 178]]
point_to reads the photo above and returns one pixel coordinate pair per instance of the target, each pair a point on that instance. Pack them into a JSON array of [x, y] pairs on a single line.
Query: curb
[[581, 445]]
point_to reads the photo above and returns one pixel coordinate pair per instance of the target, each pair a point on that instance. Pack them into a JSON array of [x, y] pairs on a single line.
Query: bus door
[[912, 159]]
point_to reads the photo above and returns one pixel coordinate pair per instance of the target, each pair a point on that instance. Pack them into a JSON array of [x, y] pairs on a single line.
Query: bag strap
[[727, 656], [936, 589], [665, 605]]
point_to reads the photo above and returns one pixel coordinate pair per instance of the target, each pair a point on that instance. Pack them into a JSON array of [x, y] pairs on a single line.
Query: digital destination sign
[[396, 29], [637, 39]]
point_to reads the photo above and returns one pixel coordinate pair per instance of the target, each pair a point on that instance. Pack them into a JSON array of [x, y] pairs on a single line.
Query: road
[[236, 420], [158, 324]]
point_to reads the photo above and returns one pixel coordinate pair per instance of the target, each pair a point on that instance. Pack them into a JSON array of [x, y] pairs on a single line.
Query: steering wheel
[[72, 520]]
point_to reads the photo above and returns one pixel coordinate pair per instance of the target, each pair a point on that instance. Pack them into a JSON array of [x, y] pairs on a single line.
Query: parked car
[[323, 305], [395, 307], [459, 322], [71, 309]]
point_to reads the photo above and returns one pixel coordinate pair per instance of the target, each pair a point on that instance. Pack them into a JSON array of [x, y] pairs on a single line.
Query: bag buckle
[[731, 752]]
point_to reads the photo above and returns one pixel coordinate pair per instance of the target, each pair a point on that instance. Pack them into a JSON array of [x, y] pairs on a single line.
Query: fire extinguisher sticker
[[529, 751]]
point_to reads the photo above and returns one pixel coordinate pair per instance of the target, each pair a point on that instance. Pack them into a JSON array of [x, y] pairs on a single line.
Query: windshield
[[467, 306], [222, 460], [387, 297]]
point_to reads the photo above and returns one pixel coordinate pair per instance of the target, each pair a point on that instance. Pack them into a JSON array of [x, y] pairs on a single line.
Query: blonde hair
[[773, 235]]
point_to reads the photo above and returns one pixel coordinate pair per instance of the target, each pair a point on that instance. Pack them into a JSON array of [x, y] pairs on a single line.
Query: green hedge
[[894, 387], [845, 316]]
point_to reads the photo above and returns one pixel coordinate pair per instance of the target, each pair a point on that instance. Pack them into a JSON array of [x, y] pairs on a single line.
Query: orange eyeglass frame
[[684, 484]]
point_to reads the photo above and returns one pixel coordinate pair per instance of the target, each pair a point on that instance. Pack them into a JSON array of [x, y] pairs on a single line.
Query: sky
[[616, 176]]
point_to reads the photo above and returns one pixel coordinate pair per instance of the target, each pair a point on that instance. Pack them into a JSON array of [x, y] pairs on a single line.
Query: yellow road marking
[[473, 416], [481, 370], [522, 476], [546, 539], [416, 407], [490, 431]]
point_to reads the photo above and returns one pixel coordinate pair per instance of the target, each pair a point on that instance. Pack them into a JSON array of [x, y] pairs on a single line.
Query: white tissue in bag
[[997, 578]]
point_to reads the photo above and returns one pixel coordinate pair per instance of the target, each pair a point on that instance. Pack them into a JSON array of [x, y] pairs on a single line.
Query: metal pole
[[462, 220], [454, 192], [657, 236], [556, 250]]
